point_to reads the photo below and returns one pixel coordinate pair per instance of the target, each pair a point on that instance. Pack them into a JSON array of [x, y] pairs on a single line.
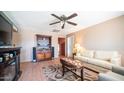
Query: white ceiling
[[40, 20]]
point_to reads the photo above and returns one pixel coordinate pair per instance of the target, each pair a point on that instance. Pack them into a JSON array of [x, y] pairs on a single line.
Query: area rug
[[54, 73]]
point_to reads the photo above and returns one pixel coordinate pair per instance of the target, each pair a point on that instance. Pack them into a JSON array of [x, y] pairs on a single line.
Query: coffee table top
[[72, 63], [79, 64]]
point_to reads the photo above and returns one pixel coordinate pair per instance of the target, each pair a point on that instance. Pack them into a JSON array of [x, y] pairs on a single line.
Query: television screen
[[5, 32]]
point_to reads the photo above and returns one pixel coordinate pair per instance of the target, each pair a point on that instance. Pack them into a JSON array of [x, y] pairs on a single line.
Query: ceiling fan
[[63, 19]]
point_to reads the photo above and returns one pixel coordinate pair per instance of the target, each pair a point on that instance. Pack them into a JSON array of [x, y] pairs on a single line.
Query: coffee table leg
[[63, 71], [82, 74]]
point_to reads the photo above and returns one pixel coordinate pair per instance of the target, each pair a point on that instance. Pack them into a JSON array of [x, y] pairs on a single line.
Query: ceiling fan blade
[[63, 25], [71, 16], [72, 23], [56, 16], [54, 23]]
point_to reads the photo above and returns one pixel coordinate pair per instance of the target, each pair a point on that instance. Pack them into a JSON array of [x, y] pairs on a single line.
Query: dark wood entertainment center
[[43, 51], [10, 64]]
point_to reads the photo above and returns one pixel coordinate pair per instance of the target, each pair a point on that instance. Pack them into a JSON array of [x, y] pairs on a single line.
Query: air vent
[[55, 30]]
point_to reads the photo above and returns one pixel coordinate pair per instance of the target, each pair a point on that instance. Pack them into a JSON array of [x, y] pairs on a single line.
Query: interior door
[[61, 46]]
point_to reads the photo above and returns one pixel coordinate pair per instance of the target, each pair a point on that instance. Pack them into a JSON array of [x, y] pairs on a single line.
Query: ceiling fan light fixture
[[61, 23], [63, 19]]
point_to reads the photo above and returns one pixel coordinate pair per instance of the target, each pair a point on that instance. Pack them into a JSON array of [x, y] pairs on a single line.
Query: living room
[[96, 40], [61, 46]]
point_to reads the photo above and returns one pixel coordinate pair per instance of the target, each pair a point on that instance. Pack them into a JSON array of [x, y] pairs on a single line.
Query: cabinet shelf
[[10, 59], [10, 69]]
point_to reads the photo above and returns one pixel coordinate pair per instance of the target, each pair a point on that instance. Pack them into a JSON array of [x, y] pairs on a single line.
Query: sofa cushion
[[116, 60], [88, 53], [81, 58], [105, 55], [101, 63], [78, 54]]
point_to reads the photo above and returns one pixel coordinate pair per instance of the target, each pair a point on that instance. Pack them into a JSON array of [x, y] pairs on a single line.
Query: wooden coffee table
[[74, 65]]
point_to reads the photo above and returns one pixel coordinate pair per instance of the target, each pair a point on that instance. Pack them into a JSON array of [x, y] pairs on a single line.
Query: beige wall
[[108, 35], [16, 39]]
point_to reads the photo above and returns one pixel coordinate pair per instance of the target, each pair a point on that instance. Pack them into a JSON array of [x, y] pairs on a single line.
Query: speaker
[[34, 54], [52, 52]]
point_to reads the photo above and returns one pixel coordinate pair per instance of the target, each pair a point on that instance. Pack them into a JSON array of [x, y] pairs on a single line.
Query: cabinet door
[[40, 56], [48, 55]]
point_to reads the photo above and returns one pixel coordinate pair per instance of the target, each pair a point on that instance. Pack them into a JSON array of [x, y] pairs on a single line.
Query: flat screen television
[[5, 32]]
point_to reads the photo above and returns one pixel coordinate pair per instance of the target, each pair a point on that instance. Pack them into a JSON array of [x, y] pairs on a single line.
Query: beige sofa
[[117, 74], [105, 59]]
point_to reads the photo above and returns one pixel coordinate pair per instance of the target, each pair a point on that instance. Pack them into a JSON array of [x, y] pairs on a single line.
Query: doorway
[[70, 44], [61, 42]]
